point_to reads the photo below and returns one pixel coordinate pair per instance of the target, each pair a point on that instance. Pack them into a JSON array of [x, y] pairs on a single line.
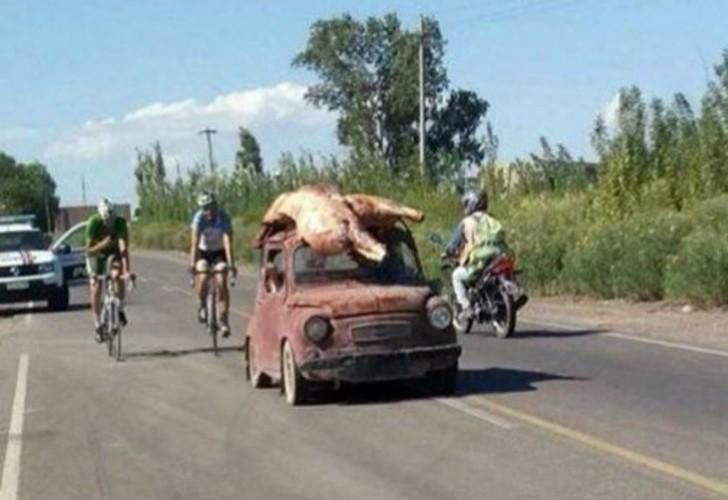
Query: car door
[[270, 309], [70, 249]]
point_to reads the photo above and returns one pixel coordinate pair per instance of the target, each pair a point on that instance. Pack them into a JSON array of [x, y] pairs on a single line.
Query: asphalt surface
[[549, 414]]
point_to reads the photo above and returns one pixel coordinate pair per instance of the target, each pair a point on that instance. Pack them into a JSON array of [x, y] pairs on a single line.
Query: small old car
[[323, 320]]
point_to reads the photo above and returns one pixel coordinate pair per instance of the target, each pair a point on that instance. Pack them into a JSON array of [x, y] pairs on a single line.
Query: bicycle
[[212, 322], [111, 305]]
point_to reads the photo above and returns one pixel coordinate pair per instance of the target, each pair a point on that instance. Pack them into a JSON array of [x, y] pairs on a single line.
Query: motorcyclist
[[475, 241]]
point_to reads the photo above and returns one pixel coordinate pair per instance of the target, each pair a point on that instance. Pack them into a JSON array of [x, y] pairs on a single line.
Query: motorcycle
[[495, 296]]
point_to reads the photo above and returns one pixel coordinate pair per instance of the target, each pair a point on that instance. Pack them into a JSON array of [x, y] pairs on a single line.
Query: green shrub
[[699, 272], [540, 232], [625, 258]]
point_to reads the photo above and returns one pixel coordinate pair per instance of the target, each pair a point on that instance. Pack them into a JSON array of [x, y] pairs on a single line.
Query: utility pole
[[83, 190], [422, 96], [49, 226], [208, 133]]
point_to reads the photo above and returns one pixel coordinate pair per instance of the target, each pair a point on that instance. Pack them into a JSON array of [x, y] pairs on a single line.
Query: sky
[[85, 83]]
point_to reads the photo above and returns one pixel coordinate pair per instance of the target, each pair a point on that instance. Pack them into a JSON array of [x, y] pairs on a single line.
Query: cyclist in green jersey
[[107, 238]]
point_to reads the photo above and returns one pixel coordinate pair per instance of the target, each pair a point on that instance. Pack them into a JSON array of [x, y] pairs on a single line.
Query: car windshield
[[22, 240], [400, 266]]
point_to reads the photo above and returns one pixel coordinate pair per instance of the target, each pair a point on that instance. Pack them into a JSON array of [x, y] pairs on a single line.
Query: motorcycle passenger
[[475, 241], [211, 249]]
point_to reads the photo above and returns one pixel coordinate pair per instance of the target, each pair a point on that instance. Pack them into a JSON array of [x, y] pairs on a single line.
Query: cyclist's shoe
[[99, 334], [224, 329], [122, 318], [202, 314]]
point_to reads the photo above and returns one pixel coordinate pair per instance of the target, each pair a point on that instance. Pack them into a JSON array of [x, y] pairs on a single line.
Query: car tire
[[59, 299], [444, 382], [255, 375], [293, 385]]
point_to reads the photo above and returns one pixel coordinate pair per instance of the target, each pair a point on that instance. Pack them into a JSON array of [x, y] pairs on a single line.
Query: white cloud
[[177, 122], [610, 113]]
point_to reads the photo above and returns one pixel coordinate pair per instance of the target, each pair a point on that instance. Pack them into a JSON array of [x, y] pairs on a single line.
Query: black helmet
[[474, 201]]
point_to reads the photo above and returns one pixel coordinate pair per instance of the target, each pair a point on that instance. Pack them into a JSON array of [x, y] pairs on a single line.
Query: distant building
[[71, 215]]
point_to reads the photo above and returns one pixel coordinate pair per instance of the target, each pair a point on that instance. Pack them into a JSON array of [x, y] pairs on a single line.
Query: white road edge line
[[666, 343], [11, 465], [634, 338], [478, 413]]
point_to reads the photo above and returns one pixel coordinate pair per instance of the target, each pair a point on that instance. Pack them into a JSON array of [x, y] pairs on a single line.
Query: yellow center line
[[711, 484]]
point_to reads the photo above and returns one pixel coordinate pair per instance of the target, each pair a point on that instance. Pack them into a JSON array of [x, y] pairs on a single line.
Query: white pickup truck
[[30, 270]]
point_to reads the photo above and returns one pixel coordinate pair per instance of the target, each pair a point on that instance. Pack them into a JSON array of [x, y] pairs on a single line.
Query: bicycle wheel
[[212, 315], [118, 344], [109, 327]]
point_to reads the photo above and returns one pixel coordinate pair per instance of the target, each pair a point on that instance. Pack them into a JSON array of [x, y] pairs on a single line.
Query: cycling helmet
[[206, 200], [474, 201], [105, 209]]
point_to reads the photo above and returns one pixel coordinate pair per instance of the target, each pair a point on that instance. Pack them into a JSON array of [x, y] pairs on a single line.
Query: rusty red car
[[323, 320]]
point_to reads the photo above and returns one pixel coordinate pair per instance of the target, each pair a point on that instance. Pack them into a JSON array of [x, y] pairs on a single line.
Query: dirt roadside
[[653, 320]]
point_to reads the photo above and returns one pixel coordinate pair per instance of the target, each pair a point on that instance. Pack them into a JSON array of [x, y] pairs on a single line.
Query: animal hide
[[331, 223]]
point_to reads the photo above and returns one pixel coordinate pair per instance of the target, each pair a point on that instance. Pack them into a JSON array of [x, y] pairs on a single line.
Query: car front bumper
[[37, 289], [381, 366]]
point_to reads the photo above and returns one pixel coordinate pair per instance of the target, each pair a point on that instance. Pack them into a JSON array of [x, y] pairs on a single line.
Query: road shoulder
[[656, 321]]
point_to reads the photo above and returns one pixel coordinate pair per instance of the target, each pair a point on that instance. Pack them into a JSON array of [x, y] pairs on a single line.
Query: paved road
[[550, 414]]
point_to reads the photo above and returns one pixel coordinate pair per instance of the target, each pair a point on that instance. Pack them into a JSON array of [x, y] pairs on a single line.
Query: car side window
[[77, 239], [274, 270]]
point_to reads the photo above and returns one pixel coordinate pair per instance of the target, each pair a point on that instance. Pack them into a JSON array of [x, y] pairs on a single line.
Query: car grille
[[26, 270], [379, 332]]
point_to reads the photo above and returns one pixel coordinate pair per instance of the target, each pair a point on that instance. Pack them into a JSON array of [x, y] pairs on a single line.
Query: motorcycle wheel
[[504, 319]]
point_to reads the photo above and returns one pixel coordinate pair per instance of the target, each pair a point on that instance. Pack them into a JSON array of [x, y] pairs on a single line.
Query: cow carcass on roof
[[332, 223]]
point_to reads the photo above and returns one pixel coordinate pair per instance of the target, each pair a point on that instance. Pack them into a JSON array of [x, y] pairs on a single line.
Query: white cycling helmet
[[105, 209], [206, 199]]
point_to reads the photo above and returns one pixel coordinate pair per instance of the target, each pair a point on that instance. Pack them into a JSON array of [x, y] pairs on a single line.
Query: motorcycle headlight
[[316, 329], [440, 317], [45, 268]]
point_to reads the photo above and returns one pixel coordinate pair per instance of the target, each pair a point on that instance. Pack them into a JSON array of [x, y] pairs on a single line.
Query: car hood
[[361, 299], [26, 257]]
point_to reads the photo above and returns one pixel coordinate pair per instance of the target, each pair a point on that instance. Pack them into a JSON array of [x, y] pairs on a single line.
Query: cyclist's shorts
[[212, 258], [96, 266]]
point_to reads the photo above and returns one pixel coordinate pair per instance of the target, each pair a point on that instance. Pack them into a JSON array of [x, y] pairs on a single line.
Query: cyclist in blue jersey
[[211, 249]]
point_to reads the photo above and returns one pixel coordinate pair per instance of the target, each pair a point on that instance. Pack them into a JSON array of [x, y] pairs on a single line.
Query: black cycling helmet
[[474, 201]]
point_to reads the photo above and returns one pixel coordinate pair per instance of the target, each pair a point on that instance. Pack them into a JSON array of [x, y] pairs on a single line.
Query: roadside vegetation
[[648, 220]]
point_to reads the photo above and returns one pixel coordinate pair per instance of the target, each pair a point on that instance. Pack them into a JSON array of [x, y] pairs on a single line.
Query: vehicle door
[[271, 315], [70, 249]]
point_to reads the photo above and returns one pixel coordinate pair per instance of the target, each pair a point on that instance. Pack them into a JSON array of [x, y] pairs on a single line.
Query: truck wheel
[[59, 299], [293, 384]]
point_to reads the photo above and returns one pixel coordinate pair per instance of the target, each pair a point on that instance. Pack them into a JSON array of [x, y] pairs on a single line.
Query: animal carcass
[[332, 223]]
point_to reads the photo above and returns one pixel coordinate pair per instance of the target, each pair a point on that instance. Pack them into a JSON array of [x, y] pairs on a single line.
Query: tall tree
[[247, 158], [150, 173], [368, 73], [28, 188]]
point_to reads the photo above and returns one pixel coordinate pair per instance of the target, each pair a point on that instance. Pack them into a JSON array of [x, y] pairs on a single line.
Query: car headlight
[[316, 328], [440, 316], [45, 268]]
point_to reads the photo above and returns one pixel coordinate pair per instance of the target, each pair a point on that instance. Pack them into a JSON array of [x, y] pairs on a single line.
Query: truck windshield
[[22, 240], [400, 266]]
